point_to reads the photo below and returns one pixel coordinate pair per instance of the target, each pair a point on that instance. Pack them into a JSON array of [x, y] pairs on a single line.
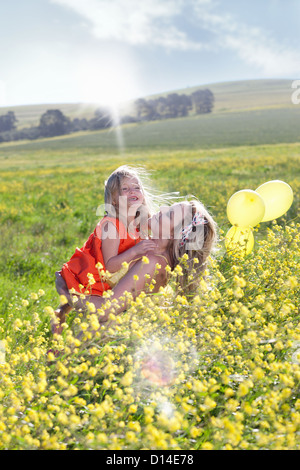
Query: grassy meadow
[[230, 356]]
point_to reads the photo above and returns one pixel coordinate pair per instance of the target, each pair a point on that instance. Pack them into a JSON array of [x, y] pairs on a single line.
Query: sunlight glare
[[108, 82]]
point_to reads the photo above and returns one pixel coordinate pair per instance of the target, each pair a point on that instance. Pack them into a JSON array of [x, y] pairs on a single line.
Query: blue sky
[[102, 51]]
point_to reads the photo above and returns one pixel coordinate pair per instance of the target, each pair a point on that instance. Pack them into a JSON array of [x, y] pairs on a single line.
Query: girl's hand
[[144, 247]]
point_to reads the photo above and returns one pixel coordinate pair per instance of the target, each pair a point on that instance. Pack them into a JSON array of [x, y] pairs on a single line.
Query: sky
[[109, 51]]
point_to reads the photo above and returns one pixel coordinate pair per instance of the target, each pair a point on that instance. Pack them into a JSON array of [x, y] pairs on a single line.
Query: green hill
[[229, 96], [247, 94], [251, 112], [255, 94], [29, 115]]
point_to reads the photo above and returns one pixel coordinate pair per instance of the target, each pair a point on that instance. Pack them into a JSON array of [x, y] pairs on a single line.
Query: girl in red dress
[[119, 240]]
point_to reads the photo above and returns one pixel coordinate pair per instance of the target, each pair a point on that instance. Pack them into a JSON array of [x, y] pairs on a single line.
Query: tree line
[[174, 105], [54, 123]]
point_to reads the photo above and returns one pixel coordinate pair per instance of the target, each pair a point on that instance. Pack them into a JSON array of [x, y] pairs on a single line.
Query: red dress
[[83, 262]]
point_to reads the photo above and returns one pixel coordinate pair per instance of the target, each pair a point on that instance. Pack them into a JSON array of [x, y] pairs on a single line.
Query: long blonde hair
[[153, 198], [193, 254]]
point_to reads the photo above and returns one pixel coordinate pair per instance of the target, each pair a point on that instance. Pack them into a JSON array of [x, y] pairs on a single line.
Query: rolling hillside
[[247, 94], [229, 96], [246, 113]]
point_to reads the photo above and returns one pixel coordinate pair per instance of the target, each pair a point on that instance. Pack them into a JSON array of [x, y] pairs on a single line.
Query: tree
[[178, 105], [53, 122], [102, 120], [161, 107], [184, 105], [166, 108], [8, 122], [203, 101], [79, 125], [171, 106], [145, 110]]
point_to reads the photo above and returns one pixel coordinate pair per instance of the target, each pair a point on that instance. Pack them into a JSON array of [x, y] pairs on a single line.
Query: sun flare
[[108, 82]]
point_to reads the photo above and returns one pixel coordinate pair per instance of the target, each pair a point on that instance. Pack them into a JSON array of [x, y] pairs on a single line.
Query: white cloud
[[155, 23], [135, 22], [253, 45], [271, 58]]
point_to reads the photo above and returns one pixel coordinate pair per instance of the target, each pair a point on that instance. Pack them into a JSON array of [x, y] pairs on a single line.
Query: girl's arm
[[113, 261]]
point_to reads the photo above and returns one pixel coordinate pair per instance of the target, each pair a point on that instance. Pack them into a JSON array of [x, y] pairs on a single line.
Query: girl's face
[[131, 189], [131, 193]]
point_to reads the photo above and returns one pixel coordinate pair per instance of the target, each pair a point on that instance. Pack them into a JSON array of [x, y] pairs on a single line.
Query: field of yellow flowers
[[220, 370]]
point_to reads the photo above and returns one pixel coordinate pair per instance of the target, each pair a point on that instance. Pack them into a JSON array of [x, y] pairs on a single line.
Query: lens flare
[[158, 369]]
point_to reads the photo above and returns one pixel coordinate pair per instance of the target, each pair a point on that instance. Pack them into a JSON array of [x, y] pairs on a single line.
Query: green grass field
[[233, 348], [208, 131], [49, 196]]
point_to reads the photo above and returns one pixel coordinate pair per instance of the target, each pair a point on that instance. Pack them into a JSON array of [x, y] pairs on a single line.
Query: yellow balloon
[[239, 240], [278, 198], [245, 208]]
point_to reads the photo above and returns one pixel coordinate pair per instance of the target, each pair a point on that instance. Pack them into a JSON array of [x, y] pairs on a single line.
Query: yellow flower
[[208, 405], [102, 438], [292, 282], [243, 389], [91, 278], [178, 270], [62, 418], [17, 324], [63, 299], [92, 371], [258, 373], [207, 446], [127, 379], [132, 409], [135, 426], [49, 310], [131, 437], [91, 307], [195, 432], [70, 391]]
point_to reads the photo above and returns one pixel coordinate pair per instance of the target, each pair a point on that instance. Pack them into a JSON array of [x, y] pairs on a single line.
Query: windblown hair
[[194, 253], [153, 199]]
